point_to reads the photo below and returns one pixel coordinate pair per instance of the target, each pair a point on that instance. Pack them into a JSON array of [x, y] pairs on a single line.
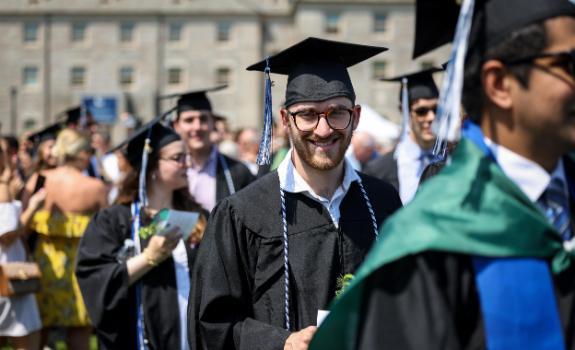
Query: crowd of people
[[315, 239]]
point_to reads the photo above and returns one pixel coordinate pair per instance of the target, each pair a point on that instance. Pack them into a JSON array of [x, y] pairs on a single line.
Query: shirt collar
[[209, 164], [531, 178], [408, 149], [291, 180]]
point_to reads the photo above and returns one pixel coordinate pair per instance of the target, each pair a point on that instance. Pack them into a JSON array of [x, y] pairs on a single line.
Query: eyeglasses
[[423, 111], [178, 158], [336, 118], [565, 59]]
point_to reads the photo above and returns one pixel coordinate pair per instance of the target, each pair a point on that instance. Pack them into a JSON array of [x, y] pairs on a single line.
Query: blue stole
[[516, 294]]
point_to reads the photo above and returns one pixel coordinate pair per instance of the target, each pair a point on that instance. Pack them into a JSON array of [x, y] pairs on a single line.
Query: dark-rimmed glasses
[[566, 59], [337, 118], [423, 111]]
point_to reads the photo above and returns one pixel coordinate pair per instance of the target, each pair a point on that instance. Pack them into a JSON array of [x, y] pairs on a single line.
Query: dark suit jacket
[[241, 177], [384, 168]]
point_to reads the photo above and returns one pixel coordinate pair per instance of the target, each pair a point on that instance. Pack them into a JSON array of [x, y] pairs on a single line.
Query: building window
[[174, 76], [175, 32], [77, 76], [379, 69], [224, 29], [78, 32], [223, 76], [126, 76], [30, 75], [380, 23], [126, 32], [30, 32], [332, 23]]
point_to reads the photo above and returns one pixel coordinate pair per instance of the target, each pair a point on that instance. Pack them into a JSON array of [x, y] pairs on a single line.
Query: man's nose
[[323, 129]]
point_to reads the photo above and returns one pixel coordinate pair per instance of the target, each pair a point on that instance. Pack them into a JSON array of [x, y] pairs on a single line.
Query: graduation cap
[[414, 86], [493, 20], [195, 100], [479, 25], [77, 115], [50, 132], [419, 84], [316, 70]]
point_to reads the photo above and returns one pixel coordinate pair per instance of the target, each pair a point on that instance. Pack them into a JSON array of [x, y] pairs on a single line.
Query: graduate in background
[[483, 256], [273, 253], [212, 176], [403, 166], [136, 285]]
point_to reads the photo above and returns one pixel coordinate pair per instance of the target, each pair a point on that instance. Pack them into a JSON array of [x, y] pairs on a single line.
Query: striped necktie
[[555, 205]]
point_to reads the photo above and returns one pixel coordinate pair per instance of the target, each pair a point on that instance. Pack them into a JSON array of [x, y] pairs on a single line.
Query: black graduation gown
[[110, 301], [241, 177], [384, 168], [237, 299], [430, 301]]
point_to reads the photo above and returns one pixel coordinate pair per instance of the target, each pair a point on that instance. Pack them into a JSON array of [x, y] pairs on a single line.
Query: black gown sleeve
[[425, 301], [220, 313], [103, 280]]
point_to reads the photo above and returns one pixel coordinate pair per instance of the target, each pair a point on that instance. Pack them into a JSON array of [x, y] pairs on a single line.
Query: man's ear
[[497, 83], [285, 117], [355, 117]]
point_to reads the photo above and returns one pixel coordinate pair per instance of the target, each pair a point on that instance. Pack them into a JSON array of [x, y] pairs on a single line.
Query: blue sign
[[102, 108]]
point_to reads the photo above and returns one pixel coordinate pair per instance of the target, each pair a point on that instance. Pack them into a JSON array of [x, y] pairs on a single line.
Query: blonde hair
[[68, 144]]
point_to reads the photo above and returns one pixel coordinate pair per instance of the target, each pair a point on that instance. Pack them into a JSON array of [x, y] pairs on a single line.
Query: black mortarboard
[[419, 84], [493, 20], [317, 68], [48, 133], [195, 100], [159, 135]]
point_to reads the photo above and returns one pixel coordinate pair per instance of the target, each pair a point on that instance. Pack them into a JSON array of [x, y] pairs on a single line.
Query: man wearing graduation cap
[[273, 253], [211, 175], [483, 257], [403, 166]]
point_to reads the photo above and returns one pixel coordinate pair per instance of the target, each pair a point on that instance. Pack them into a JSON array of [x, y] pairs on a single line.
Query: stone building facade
[[54, 52]]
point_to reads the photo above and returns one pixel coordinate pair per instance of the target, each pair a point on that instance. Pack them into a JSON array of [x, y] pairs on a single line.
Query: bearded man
[[273, 253]]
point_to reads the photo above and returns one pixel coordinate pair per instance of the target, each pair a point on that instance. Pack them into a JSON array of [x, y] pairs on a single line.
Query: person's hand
[[300, 340], [37, 199], [160, 247]]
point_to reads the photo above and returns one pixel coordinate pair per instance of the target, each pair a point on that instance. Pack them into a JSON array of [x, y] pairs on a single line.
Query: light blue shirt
[[410, 166], [291, 181]]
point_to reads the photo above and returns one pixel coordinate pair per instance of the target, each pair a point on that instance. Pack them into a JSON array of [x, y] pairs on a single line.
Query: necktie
[[424, 160], [555, 205]]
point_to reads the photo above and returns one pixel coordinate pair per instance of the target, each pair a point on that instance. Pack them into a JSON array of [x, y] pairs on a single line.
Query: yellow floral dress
[[59, 300]]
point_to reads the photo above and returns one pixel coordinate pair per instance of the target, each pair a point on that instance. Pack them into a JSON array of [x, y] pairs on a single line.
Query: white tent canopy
[[384, 131]]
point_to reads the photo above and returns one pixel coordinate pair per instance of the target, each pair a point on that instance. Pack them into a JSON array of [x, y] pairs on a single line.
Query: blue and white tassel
[[265, 149], [448, 119]]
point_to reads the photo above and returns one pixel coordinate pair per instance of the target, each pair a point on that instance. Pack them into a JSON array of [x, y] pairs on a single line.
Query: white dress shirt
[[291, 181], [410, 166], [529, 176]]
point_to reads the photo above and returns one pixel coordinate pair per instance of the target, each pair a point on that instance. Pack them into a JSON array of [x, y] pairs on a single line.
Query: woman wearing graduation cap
[[136, 285]]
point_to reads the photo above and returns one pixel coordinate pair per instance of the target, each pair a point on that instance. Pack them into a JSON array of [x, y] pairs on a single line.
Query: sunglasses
[[565, 59], [423, 111]]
